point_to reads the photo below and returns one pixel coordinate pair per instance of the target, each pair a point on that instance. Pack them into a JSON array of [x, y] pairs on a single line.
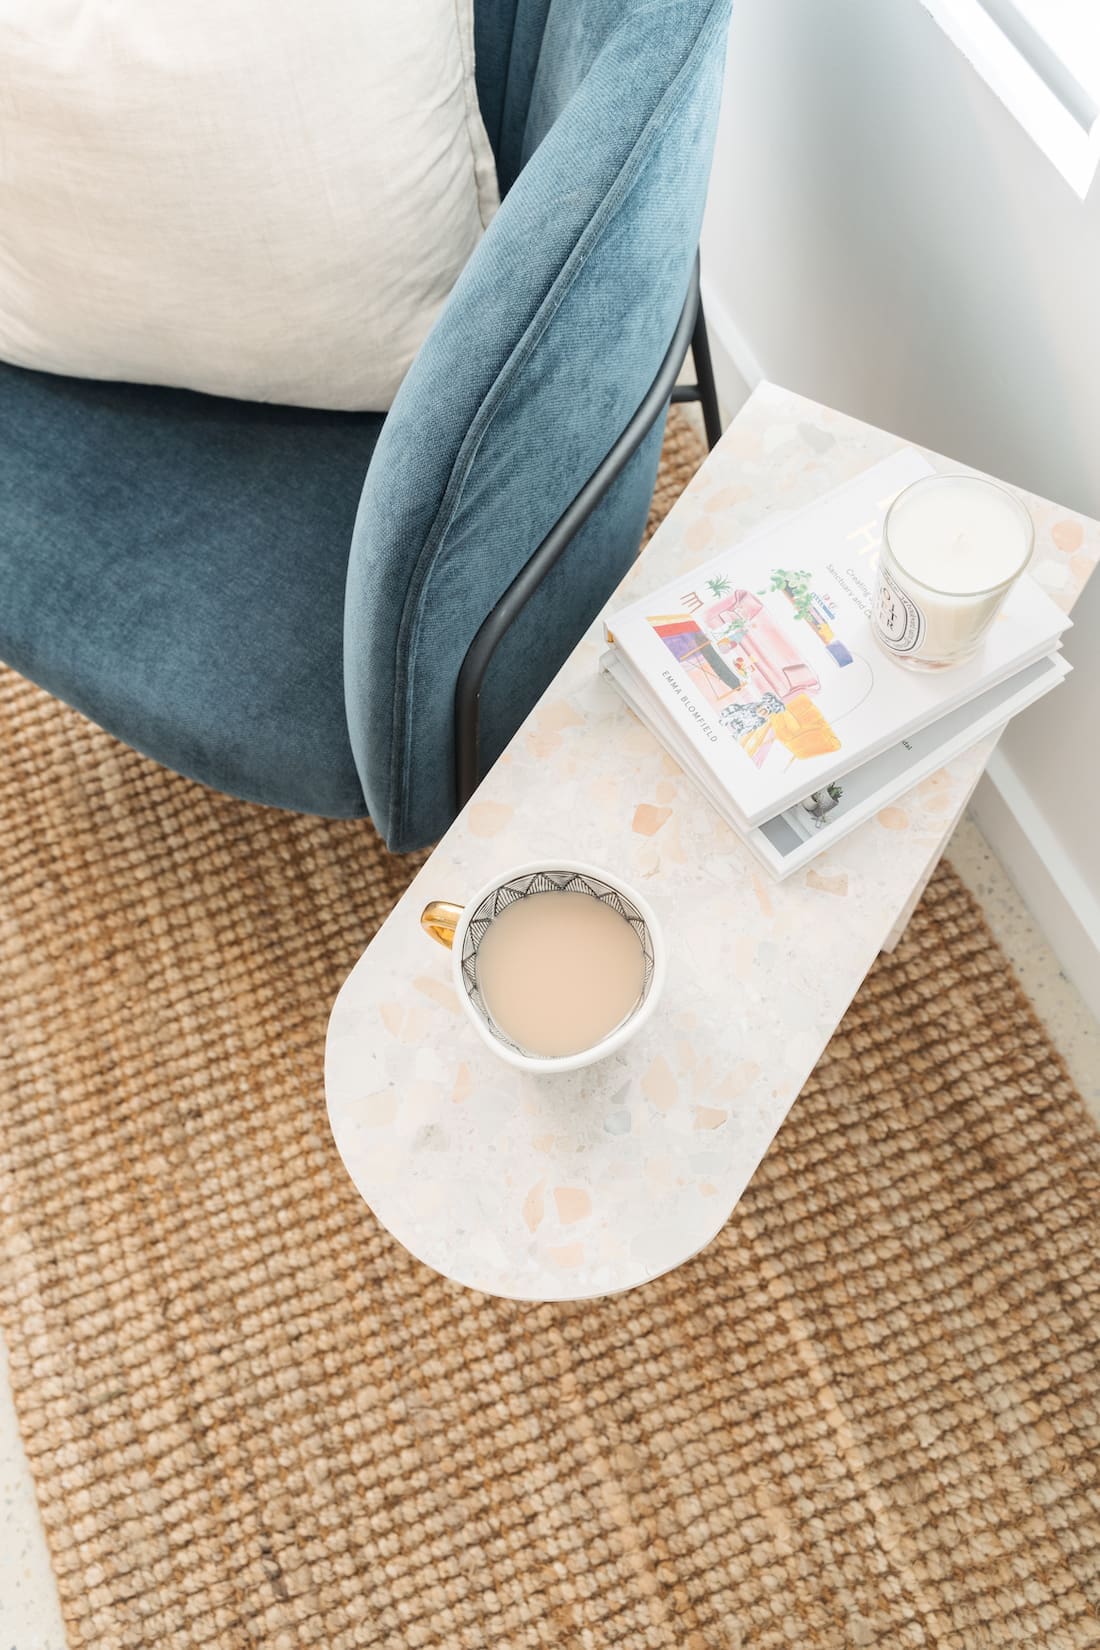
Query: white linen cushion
[[267, 199]]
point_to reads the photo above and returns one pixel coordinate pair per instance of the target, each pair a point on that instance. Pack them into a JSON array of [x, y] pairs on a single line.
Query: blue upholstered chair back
[[601, 114], [507, 39], [191, 571]]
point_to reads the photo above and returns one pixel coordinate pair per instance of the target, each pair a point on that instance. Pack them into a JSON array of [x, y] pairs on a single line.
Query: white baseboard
[[736, 369], [1063, 905]]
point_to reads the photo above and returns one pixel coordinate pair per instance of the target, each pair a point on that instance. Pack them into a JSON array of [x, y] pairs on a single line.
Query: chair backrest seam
[[628, 175]]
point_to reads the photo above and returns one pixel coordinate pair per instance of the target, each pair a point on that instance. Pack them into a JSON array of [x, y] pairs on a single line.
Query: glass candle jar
[[952, 548]]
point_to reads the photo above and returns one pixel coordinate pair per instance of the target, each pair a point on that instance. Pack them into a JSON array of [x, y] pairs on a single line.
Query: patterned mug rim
[[556, 876]]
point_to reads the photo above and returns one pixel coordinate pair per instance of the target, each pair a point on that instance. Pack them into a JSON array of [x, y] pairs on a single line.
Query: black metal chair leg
[[704, 378]]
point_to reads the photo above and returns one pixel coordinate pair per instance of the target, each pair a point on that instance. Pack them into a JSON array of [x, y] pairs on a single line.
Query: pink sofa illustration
[[771, 655]]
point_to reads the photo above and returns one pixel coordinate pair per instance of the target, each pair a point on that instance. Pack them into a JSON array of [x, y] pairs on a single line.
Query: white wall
[[882, 236]]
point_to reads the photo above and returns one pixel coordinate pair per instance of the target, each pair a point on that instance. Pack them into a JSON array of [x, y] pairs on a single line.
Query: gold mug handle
[[439, 918]]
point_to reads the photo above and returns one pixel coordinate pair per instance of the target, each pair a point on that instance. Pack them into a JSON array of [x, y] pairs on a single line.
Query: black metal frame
[[690, 330]]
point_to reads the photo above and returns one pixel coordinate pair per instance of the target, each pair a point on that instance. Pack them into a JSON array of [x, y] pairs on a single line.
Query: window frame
[[1031, 79]]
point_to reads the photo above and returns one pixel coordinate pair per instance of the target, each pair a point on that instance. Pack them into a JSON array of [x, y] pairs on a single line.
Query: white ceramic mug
[[462, 928]]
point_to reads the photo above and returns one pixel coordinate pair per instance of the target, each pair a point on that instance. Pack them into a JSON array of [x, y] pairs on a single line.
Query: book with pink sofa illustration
[[761, 663]]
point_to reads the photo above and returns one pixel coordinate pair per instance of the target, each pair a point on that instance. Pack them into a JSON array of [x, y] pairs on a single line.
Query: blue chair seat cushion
[[173, 565]]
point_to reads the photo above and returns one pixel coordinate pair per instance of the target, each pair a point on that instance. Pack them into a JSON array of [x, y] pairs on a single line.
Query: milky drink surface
[[559, 971]]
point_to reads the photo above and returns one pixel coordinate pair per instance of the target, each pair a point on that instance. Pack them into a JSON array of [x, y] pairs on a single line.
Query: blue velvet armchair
[[287, 604]]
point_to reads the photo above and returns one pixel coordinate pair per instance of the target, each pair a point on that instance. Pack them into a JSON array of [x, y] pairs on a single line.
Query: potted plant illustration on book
[[819, 804], [810, 608], [795, 585]]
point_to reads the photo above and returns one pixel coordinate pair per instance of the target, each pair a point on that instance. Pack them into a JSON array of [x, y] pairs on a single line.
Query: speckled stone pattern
[[565, 1187]]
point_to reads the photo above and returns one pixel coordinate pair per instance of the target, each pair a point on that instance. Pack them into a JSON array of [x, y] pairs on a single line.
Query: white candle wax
[[953, 546]]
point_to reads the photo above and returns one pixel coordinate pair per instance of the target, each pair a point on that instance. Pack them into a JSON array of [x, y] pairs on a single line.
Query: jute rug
[[867, 1415]]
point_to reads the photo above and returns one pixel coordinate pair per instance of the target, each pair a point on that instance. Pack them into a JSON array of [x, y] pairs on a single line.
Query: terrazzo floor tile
[[1073, 1029], [30, 1615]]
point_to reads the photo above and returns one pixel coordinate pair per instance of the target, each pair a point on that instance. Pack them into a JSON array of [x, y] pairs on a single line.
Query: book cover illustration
[[764, 656], [768, 662], [792, 837]]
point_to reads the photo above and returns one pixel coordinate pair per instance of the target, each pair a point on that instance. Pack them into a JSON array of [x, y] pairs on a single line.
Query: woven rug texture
[[867, 1415]]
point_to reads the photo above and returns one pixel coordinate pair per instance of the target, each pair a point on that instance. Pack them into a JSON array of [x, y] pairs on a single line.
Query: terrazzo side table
[[581, 1185]]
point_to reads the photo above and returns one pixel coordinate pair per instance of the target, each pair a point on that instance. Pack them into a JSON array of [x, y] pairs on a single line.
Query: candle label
[[899, 620]]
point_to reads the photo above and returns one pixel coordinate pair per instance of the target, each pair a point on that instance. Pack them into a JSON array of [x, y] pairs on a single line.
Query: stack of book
[[760, 673]]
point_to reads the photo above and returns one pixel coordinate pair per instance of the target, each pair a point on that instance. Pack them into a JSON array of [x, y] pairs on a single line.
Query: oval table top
[[572, 1186]]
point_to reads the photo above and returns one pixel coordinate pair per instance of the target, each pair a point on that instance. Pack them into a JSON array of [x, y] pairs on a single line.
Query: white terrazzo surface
[[568, 1187]]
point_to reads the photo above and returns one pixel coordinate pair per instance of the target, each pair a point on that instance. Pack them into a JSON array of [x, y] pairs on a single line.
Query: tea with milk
[[559, 971]]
